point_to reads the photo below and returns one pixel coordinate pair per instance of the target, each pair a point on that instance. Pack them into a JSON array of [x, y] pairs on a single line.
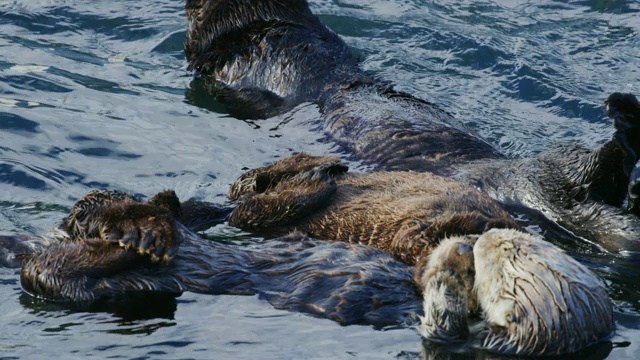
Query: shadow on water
[[130, 308], [246, 104], [433, 351]]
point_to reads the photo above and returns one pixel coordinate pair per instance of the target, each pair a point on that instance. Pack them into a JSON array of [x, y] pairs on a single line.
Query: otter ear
[[464, 248]]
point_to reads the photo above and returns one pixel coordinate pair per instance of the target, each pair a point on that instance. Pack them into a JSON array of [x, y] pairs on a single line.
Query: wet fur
[[583, 190], [110, 215], [535, 299], [350, 284], [404, 213]]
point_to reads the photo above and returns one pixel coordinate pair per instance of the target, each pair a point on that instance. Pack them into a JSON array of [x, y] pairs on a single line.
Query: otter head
[[221, 28], [536, 299], [447, 282]]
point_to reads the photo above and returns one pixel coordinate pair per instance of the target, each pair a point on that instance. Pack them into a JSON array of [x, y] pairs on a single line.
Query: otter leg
[[266, 178], [289, 201]]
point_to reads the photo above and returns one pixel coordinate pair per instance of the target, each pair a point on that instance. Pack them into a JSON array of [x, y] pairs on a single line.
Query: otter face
[[536, 299], [447, 282]]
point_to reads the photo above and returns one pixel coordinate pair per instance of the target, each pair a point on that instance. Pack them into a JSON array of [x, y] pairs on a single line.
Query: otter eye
[[464, 248]]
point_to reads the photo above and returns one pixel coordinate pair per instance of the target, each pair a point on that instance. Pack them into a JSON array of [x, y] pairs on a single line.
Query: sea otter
[[535, 299], [108, 248], [403, 213], [494, 273], [265, 56], [419, 217]]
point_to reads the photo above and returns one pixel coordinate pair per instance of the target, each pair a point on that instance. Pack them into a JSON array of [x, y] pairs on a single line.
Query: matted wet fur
[[264, 54], [404, 213], [350, 284], [535, 299]]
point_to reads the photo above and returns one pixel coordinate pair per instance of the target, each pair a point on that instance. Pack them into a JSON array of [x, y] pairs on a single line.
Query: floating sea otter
[[112, 245], [265, 56], [534, 297], [403, 213], [536, 300]]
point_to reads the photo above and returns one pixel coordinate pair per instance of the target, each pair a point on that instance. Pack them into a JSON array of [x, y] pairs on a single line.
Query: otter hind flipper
[[634, 191], [624, 110], [290, 200]]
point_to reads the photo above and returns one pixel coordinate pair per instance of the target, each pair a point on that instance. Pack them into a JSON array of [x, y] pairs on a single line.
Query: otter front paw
[[292, 199], [447, 281], [145, 228], [84, 220]]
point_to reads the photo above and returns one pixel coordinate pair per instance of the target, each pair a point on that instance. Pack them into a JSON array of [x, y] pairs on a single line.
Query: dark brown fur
[[293, 272], [149, 228], [268, 53], [404, 213]]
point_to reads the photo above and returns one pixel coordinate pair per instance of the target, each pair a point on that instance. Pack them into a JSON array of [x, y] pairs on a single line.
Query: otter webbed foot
[[624, 110], [447, 284], [291, 199], [113, 216], [265, 179]]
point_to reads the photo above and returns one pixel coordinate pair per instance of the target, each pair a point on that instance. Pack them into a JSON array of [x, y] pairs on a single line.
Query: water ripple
[[95, 95]]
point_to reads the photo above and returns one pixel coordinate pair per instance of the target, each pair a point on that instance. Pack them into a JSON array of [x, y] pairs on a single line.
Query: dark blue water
[[95, 94]]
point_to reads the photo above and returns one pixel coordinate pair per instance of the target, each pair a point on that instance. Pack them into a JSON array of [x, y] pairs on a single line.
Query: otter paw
[[146, 230], [267, 179], [84, 219], [313, 181]]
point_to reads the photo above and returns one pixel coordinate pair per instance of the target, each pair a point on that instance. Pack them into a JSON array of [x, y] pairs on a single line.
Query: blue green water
[[95, 94]]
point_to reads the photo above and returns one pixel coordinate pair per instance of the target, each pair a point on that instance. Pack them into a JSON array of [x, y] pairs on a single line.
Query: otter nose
[[464, 248]]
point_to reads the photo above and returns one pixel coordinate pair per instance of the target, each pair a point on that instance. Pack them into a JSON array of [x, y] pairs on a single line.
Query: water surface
[[96, 94]]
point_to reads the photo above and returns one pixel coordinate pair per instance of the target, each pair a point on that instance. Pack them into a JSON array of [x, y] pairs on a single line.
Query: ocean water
[[95, 94]]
